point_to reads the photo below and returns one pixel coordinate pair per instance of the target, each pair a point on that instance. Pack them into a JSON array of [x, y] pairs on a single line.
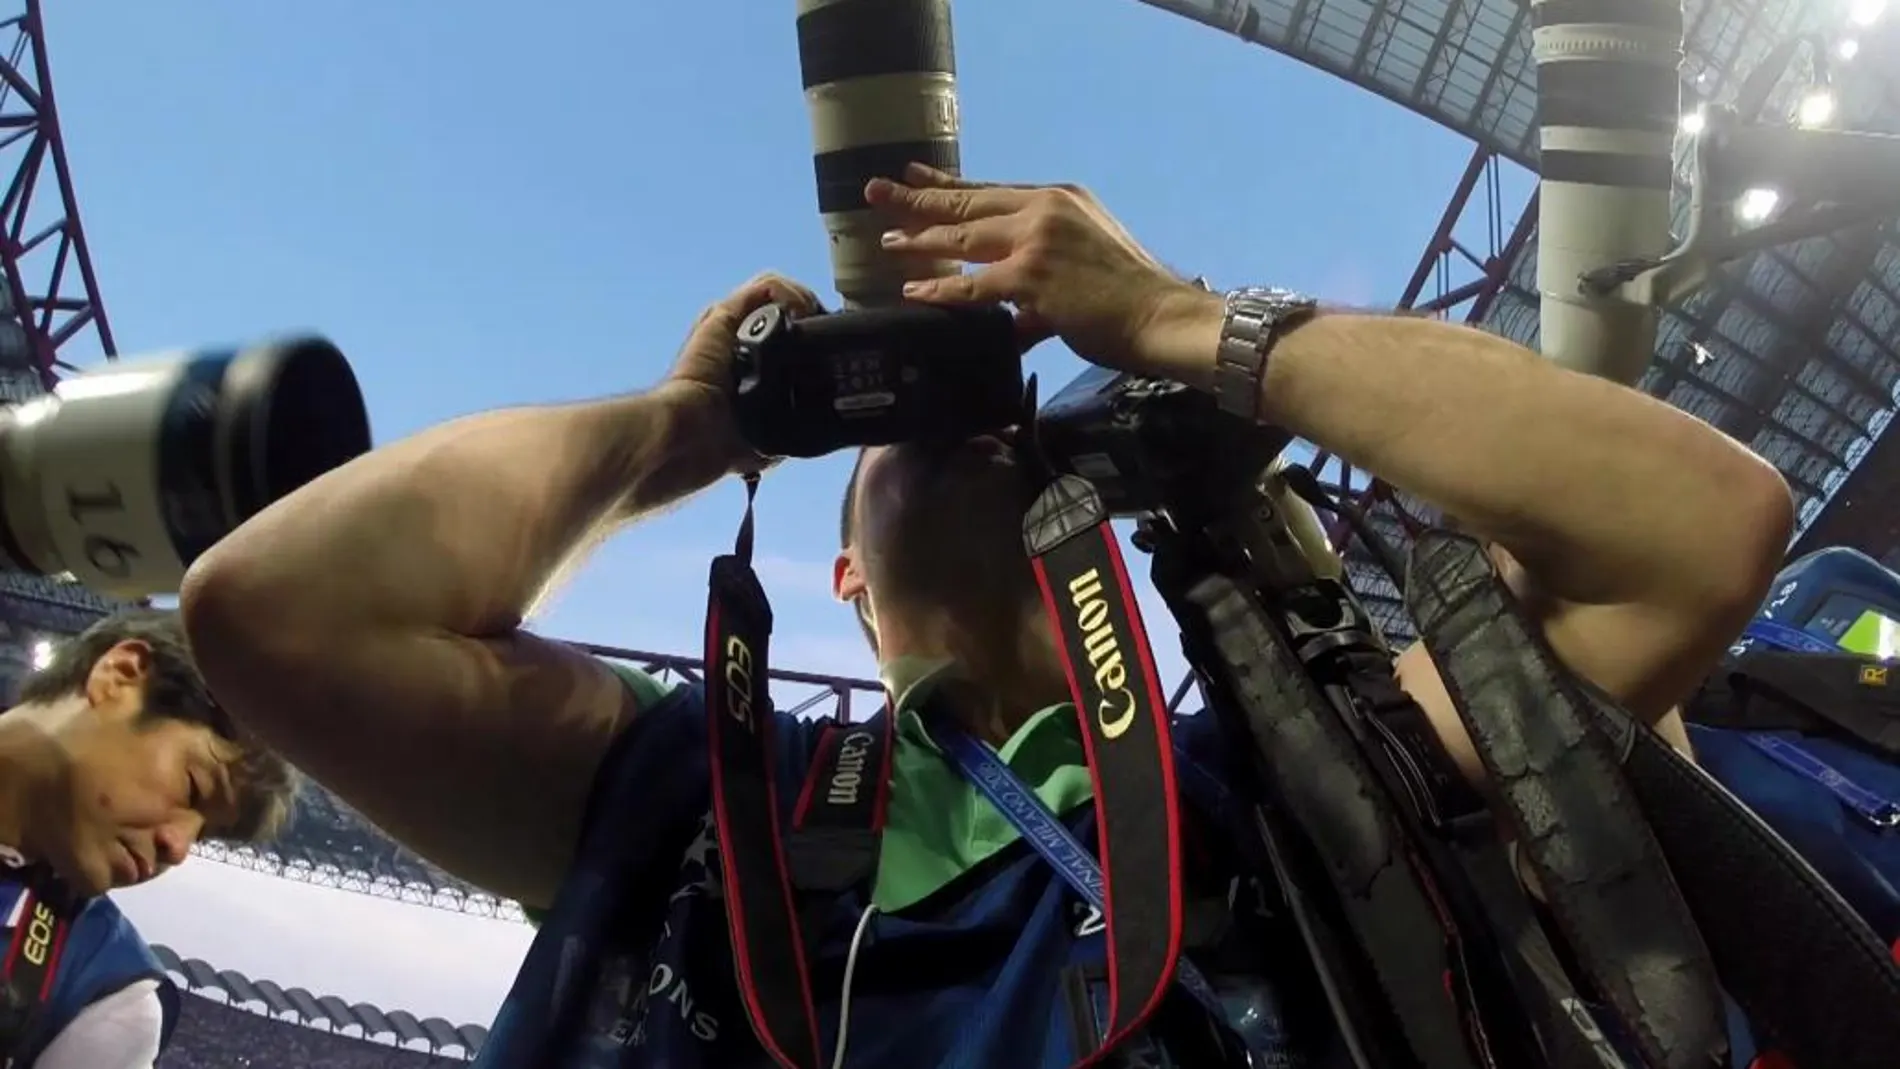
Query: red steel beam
[[42, 244], [1478, 185]]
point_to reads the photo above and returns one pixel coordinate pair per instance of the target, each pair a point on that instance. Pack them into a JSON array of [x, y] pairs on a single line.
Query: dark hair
[[847, 530], [265, 784]]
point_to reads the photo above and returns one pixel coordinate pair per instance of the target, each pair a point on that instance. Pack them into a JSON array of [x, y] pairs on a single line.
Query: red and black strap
[[771, 879], [838, 822], [1126, 734], [40, 922], [761, 911]]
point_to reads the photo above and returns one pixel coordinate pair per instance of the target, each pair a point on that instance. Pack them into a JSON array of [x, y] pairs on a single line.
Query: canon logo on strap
[[848, 778], [1115, 703]]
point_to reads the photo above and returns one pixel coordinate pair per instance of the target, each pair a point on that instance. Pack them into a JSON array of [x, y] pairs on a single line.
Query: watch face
[[1274, 303]]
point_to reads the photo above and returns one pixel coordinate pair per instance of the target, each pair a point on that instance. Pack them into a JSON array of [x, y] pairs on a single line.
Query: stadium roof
[[1792, 352], [327, 1012]]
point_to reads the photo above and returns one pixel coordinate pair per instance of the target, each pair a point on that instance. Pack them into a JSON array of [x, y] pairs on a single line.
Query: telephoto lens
[[1609, 91], [880, 82], [121, 477]]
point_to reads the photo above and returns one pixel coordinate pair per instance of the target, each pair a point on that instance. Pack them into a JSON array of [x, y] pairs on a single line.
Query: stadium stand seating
[[323, 830], [328, 844], [233, 1022], [212, 1035]]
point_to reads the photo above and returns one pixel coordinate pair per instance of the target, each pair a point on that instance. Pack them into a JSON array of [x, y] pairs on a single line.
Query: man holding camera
[[385, 600], [113, 762]]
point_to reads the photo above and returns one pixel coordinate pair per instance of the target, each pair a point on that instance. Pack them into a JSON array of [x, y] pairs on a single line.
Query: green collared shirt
[[939, 826]]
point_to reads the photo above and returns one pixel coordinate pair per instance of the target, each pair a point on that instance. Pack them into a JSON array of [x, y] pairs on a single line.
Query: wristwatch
[[1256, 318]]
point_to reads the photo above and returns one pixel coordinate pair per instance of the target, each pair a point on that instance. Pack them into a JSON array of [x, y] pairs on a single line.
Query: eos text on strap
[[37, 924], [762, 903]]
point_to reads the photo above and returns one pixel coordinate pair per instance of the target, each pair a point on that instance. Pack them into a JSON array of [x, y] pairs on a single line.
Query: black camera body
[[805, 387], [1152, 446]]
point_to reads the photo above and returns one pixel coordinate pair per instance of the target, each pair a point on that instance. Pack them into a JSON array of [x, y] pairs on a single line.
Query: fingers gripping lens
[[881, 92], [122, 477]]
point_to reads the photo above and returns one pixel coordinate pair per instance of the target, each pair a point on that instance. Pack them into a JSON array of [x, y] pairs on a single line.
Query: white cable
[[844, 996]]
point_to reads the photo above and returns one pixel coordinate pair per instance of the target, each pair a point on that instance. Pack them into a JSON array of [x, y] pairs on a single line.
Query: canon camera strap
[[774, 883], [1126, 737], [767, 945], [38, 924], [839, 819]]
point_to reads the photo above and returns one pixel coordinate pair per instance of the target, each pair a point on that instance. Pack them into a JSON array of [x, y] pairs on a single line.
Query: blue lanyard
[[1781, 636], [1875, 809], [1048, 836]]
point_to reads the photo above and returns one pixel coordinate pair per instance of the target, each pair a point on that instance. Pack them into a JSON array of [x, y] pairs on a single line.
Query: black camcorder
[[805, 387], [120, 478]]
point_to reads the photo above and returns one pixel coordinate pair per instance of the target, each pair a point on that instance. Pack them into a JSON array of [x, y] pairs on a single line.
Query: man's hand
[[703, 371], [1052, 251]]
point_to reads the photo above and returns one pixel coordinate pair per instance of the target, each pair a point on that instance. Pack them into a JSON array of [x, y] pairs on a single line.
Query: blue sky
[[485, 208]]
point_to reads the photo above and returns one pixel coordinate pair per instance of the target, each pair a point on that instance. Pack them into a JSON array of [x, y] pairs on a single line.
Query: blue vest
[[1828, 595], [102, 954], [1004, 968]]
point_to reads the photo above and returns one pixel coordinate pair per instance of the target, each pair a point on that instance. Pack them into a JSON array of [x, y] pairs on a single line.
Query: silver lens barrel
[[1608, 104], [881, 91], [122, 477]]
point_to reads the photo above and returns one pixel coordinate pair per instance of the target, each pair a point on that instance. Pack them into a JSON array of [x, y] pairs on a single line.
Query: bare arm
[[1646, 538], [368, 625]]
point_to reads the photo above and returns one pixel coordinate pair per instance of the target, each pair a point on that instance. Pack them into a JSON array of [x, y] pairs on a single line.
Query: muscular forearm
[[459, 529], [1604, 495]]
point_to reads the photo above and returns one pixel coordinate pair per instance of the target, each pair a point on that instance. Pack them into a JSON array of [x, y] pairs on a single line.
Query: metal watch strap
[[1254, 320]]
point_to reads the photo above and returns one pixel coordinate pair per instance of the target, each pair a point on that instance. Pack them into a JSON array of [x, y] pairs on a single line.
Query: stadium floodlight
[[1816, 108], [1755, 206]]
